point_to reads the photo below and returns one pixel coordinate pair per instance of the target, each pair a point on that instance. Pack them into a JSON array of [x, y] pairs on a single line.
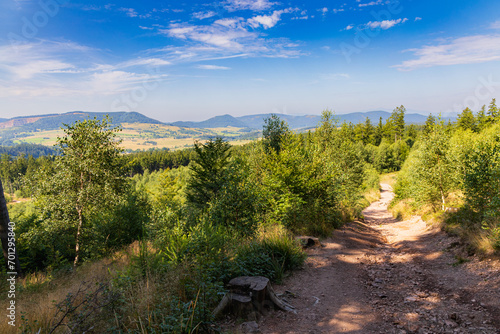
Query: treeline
[[155, 160], [458, 166], [35, 150]]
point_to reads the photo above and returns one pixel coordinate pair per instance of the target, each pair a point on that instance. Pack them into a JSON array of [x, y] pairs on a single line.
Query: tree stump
[[249, 297], [308, 242]]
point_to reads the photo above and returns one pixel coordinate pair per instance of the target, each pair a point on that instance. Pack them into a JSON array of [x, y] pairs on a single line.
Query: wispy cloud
[[204, 15], [145, 62], [230, 23], [464, 50], [130, 12], [386, 24], [216, 35], [255, 5], [229, 36], [49, 68], [418, 18], [371, 3], [212, 67], [31, 59]]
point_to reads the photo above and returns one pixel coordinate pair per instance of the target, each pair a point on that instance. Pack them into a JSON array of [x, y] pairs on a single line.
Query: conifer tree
[[466, 120], [208, 171], [430, 122], [481, 118], [493, 112], [274, 132]]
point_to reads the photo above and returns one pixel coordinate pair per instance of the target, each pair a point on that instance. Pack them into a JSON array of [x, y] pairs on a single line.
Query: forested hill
[[55, 121]]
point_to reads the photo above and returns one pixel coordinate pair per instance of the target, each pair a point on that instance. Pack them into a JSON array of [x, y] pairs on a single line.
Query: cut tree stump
[[308, 242], [249, 296]]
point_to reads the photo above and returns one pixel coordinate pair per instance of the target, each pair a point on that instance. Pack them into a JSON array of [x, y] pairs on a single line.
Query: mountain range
[[250, 122]]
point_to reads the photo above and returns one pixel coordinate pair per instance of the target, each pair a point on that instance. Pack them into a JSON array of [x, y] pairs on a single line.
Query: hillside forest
[[170, 229]]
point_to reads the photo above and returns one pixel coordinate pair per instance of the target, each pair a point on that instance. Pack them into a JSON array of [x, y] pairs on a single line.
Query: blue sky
[[191, 60]]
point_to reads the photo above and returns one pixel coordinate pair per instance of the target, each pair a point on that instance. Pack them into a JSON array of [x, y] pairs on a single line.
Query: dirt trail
[[384, 276]]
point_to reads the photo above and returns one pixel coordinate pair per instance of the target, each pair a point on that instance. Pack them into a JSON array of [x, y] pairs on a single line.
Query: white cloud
[[495, 25], [146, 28], [372, 3], [48, 68], [212, 67], [386, 24], [464, 50], [130, 12], [179, 31], [349, 27], [267, 21], [306, 17], [418, 18], [113, 82], [230, 23], [255, 5], [204, 15], [29, 70], [215, 35], [28, 60], [146, 62]]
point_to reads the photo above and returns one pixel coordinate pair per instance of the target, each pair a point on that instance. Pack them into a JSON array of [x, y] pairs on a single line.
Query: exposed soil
[[385, 276]]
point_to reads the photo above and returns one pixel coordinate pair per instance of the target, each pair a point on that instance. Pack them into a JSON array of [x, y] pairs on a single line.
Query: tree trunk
[[248, 297], [78, 232], [12, 265]]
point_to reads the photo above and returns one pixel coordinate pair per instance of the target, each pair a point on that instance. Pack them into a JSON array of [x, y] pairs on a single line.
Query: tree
[[466, 120], [12, 262], [493, 112], [429, 172], [411, 135], [379, 132], [430, 122], [87, 175], [274, 132], [208, 171], [397, 120], [368, 131], [481, 117]]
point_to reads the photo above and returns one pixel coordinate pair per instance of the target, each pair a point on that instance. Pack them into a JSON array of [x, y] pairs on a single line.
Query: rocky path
[[384, 276]]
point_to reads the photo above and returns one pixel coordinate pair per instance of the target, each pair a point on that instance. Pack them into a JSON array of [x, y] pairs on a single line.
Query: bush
[[371, 178]]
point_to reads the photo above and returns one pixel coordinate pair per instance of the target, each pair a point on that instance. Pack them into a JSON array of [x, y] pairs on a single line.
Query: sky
[[192, 60]]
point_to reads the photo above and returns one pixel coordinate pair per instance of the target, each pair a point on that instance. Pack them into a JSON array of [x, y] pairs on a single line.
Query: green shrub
[[371, 178]]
